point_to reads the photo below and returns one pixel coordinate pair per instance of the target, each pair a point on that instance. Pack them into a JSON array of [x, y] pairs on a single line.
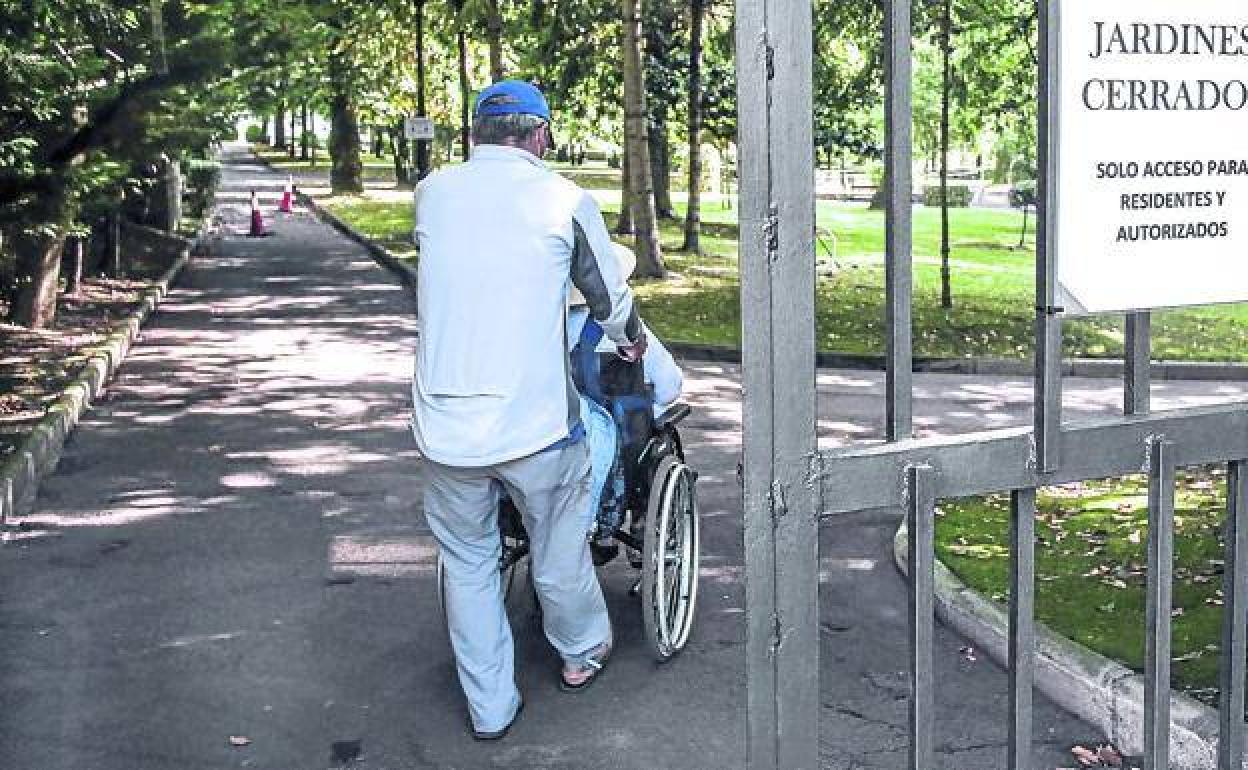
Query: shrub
[[202, 177], [202, 174], [1023, 194], [256, 134], [613, 160], [959, 195], [312, 141]]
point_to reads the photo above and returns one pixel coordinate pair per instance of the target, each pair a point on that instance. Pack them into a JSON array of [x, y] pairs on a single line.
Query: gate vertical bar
[[1022, 624], [775, 58], [899, 416], [1137, 374], [796, 489], [1234, 616], [1048, 379], [758, 428], [1157, 623], [921, 523]]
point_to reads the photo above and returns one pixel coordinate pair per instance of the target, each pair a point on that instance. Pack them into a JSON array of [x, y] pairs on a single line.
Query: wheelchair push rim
[[669, 570]]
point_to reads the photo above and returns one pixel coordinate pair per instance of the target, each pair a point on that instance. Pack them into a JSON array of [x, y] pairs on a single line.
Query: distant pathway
[[233, 546]]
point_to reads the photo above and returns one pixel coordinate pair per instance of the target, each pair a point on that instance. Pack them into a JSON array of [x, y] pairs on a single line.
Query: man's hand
[[633, 353]]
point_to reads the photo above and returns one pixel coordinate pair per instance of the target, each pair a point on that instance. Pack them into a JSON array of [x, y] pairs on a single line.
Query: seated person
[[660, 372]]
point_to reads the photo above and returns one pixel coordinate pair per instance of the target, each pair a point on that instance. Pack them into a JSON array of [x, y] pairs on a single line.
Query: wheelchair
[[648, 504]]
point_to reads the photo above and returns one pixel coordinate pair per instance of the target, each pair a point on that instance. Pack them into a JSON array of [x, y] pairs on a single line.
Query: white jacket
[[500, 238]]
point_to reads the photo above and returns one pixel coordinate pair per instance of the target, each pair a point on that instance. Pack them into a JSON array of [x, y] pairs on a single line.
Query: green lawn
[[992, 287], [1091, 542]]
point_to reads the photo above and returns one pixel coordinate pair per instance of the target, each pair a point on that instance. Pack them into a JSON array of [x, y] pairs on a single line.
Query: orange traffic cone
[[287, 196], [257, 219]]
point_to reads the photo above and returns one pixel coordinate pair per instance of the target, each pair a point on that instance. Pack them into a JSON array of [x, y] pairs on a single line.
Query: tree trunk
[[400, 153], [279, 124], [73, 265], [661, 167], [422, 145], [173, 195], [303, 131], [113, 255], [38, 259], [693, 210], [946, 91], [494, 39], [625, 224], [465, 89], [649, 250], [290, 145], [346, 169]]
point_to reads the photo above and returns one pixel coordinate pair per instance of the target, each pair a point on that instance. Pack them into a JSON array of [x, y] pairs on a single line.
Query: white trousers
[[551, 490]]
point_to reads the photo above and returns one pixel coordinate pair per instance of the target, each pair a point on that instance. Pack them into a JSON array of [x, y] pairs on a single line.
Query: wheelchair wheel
[[669, 569]]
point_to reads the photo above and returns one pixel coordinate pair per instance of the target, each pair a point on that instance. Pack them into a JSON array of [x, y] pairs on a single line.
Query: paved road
[[233, 546]]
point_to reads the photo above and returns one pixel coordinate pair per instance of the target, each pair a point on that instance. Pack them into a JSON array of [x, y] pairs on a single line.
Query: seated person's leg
[[600, 431]]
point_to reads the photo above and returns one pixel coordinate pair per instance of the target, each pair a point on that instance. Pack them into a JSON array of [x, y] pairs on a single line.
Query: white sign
[[1152, 188], [415, 127]]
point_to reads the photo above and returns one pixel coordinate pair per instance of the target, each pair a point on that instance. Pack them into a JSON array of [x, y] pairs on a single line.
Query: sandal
[[592, 666]]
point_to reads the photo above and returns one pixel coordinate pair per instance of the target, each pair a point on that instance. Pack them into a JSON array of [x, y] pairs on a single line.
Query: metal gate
[[790, 484]]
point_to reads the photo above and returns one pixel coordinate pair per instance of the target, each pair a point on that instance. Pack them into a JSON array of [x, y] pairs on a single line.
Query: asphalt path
[[232, 552]]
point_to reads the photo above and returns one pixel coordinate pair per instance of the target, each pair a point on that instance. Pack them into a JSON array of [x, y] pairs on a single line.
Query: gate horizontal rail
[[862, 478]]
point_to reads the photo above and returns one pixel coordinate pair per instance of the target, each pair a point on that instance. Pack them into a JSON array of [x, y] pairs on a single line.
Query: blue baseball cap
[[512, 97]]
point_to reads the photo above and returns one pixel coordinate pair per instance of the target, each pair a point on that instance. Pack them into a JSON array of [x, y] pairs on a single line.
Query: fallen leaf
[[239, 740]]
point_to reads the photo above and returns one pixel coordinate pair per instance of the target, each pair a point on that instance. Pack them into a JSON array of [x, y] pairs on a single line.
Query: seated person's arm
[[662, 373]]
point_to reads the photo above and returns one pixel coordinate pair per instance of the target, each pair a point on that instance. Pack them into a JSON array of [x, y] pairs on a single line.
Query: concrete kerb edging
[[37, 456], [1098, 690], [1004, 367]]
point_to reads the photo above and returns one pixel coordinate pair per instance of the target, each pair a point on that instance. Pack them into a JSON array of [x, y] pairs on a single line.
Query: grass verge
[[1091, 557]]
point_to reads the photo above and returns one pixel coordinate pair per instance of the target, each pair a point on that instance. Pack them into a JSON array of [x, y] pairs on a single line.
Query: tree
[[422, 147], [624, 226], [693, 209], [90, 89], [636, 140], [662, 78], [465, 83], [346, 171], [494, 38]]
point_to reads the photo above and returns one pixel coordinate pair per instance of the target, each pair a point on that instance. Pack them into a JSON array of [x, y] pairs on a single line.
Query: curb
[[1005, 367], [40, 452], [1098, 690]]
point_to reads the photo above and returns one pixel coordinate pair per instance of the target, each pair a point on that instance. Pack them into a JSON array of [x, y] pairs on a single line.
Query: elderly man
[[501, 239]]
